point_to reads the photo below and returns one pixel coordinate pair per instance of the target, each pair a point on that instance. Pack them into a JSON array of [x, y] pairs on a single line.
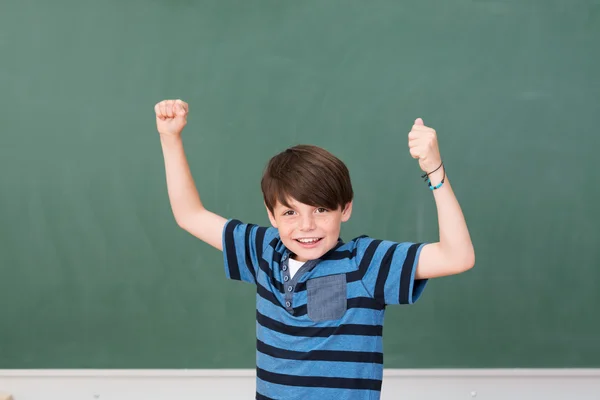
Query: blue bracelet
[[439, 185]]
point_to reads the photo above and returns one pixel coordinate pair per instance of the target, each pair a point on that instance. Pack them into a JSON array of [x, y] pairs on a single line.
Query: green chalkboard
[[94, 272]]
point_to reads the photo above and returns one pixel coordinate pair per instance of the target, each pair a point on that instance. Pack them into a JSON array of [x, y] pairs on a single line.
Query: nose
[[307, 223]]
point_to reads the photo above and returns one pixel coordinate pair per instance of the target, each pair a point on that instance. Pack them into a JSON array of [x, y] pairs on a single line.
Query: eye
[[321, 210], [288, 213]]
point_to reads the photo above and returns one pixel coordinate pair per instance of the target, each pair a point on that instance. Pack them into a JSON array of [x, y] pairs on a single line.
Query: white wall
[[492, 384]]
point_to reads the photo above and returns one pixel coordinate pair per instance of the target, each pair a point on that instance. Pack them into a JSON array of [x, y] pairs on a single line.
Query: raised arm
[[454, 252], [190, 214]]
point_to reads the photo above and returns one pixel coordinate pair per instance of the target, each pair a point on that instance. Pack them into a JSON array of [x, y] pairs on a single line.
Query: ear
[[346, 212], [271, 217]]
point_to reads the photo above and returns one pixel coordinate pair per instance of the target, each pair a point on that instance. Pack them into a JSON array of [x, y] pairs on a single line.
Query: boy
[[320, 302]]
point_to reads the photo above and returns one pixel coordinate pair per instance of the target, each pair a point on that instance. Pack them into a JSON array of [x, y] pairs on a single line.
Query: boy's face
[[308, 231]]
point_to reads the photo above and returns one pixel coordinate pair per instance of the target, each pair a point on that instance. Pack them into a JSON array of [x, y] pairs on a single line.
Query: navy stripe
[[276, 256], [260, 238], [406, 273], [247, 247], [261, 397], [300, 311], [355, 302], [300, 286], [232, 263], [264, 266], [384, 271], [321, 355], [273, 243], [344, 329], [339, 255], [267, 295], [364, 262], [317, 381], [334, 254], [364, 302]]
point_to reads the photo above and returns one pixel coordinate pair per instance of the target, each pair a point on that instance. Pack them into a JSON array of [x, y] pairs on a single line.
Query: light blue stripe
[[265, 279], [331, 369], [357, 289], [415, 292], [332, 267], [337, 342]]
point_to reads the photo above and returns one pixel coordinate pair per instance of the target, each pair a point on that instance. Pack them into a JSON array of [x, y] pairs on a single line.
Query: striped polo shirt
[[319, 334]]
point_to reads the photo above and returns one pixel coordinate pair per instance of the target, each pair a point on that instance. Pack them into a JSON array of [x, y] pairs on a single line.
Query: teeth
[[308, 240]]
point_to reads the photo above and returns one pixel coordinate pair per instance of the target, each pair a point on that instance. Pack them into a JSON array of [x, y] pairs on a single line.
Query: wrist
[[436, 177], [170, 139]]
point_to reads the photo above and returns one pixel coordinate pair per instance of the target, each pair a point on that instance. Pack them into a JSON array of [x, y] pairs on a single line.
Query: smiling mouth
[[308, 240]]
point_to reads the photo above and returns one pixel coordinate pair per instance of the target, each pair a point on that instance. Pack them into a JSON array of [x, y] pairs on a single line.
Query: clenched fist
[[423, 145], [171, 117]]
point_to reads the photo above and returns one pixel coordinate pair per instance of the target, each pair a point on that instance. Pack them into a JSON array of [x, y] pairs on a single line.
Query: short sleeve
[[388, 270], [243, 247]]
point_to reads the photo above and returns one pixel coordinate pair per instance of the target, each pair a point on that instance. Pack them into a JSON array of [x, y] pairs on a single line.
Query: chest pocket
[[326, 297]]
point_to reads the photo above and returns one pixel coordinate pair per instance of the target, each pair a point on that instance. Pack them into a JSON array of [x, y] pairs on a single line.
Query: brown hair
[[308, 174]]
